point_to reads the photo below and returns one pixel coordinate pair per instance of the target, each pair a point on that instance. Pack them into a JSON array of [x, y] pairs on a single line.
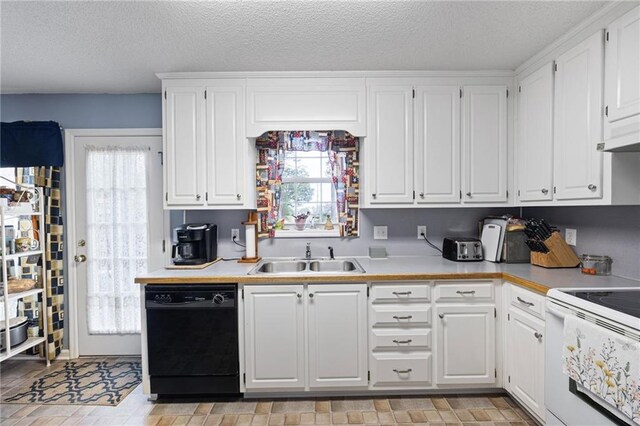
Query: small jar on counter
[[596, 265]]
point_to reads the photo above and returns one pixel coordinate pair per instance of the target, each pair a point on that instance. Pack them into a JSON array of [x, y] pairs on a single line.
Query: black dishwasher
[[192, 339]]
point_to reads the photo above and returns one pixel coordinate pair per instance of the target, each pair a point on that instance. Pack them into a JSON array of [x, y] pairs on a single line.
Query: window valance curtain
[[343, 151], [25, 143]]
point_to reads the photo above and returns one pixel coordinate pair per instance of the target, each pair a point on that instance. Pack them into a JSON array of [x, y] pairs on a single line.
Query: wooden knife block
[[560, 254]]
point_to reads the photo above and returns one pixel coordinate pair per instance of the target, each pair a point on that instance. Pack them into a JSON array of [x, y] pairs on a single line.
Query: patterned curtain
[[48, 178], [344, 157]]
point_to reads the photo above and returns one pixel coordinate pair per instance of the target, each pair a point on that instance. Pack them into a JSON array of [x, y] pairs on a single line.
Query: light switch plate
[[571, 236], [379, 232]]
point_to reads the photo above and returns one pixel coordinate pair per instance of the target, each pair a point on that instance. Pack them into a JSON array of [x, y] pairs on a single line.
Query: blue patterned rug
[[82, 383]]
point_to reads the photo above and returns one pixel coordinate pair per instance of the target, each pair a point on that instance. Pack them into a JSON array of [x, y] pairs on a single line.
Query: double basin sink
[[307, 267]]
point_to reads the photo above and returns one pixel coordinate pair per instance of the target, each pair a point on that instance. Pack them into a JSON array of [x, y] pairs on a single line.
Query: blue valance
[[31, 143]]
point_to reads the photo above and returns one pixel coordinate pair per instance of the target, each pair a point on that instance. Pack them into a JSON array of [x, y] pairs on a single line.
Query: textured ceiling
[[116, 47]]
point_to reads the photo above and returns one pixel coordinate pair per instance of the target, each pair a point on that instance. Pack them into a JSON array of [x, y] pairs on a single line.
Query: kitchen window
[[307, 184]]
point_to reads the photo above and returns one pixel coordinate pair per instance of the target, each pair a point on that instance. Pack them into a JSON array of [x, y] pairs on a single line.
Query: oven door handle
[[554, 311]]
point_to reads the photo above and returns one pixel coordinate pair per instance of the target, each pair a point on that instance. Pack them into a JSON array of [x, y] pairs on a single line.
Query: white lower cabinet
[[465, 344], [276, 355], [524, 349], [337, 334], [274, 336], [400, 369]]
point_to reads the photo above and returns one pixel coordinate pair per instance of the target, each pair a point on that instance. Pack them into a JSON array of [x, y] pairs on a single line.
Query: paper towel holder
[[251, 236]]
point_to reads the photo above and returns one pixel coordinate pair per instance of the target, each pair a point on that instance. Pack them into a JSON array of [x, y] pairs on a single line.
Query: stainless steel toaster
[[460, 249]]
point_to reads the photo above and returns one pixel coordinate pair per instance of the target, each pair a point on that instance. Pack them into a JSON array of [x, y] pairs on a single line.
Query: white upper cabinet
[[184, 134], [623, 66], [226, 143], [306, 104], [389, 144], [274, 336], [437, 144], [484, 144], [535, 136], [337, 335], [206, 151], [578, 120]]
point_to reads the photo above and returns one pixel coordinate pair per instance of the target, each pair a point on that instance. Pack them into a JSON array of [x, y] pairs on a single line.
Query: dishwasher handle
[[553, 310]]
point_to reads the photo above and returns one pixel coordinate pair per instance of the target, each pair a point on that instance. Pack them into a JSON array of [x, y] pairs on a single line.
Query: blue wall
[[85, 111]]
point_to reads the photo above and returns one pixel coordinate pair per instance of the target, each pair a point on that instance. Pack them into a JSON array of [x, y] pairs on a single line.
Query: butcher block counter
[[396, 268]]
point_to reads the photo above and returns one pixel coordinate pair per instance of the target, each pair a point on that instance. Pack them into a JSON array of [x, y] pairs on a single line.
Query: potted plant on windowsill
[[301, 220]]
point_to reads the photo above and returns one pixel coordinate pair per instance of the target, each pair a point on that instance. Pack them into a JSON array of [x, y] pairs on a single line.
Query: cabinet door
[[274, 336], [437, 144], [578, 121], [389, 145], [484, 142], [535, 136], [337, 335], [226, 144], [184, 146], [623, 66], [465, 344], [525, 348]]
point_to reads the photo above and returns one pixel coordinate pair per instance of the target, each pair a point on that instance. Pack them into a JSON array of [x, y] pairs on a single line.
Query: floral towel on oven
[[603, 362]]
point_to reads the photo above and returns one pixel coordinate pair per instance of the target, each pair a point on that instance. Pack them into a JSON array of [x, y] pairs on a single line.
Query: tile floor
[[474, 410]]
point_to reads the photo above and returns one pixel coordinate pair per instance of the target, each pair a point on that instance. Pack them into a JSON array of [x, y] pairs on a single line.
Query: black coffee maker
[[197, 244]]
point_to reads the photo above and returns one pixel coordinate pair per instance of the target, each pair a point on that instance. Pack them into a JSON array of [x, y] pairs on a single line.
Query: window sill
[[308, 233]]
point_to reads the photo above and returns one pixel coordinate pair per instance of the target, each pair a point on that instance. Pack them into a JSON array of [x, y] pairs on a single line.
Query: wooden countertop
[[400, 268]]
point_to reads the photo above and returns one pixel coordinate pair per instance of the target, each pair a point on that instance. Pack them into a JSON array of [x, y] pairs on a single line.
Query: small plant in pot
[[301, 220]]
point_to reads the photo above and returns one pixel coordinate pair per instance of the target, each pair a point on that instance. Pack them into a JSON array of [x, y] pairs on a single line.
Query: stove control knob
[[218, 299]]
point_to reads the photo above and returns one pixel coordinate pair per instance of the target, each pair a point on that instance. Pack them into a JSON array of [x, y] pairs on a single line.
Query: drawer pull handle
[[402, 293], [400, 342], [524, 302], [401, 318], [537, 335], [466, 292], [408, 370]]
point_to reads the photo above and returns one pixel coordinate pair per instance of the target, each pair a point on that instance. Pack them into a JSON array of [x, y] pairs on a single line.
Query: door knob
[[80, 258]]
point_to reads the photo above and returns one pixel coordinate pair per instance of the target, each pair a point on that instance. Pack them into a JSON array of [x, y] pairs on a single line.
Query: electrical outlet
[[379, 232], [235, 234], [571, 236], [422, 229]]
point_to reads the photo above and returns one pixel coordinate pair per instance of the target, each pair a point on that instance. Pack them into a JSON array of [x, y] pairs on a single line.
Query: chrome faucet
[[331, 256], [307, 253]]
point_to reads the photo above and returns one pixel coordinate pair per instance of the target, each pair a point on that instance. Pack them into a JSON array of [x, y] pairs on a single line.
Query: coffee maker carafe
[[197, 243]]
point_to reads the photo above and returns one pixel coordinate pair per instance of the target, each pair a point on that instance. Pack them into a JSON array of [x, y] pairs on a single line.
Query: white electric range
[[616, 309]]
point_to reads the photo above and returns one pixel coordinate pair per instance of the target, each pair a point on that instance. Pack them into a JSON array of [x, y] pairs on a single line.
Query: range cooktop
[[625, 301]]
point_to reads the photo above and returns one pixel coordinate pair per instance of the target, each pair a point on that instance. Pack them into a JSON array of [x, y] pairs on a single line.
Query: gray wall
[[612, 231]]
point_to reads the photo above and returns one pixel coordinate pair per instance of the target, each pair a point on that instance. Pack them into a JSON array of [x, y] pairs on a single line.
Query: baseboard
[[64, 354]]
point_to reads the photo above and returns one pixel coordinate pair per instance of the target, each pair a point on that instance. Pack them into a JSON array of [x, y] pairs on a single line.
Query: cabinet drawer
[[401, 315], [399, 293], [528, 301], [399, 369], [389, 338], [464, 291]]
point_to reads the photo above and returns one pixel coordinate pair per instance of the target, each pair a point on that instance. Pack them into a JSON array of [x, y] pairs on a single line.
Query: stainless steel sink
[[306, 267], [338, 265]]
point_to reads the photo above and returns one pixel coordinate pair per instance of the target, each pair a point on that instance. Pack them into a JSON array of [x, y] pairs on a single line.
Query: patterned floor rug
[[82, 383]]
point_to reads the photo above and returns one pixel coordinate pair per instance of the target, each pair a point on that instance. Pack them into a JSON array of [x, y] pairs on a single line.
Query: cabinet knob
[[469, 194], [545, 191], [537, 335], [373, 195], [592, 187], [198, 197], [441, 316], [299, 295], [311, 295], [238, 196], [422, 195]]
